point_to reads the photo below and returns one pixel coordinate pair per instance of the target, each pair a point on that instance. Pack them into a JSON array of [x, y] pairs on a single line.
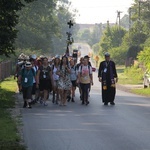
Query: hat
[[86, 56], [107, 54], [33, 56], [57, 56], [28, 64]]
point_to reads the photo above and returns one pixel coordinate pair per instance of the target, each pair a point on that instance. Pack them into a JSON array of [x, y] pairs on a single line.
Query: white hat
[[33, 56], [107, 54], [57, 56], [28, 64]]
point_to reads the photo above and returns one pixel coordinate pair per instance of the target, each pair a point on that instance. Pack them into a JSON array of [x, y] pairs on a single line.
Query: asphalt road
[[125, 126]]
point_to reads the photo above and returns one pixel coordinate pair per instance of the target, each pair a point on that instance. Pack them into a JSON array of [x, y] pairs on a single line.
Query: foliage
[[118, 55], [135, 74], [112, 38], [9, 20], [129, 75], [144, 57], [96, 48], [133, 52], [43, 26], [90, 35]]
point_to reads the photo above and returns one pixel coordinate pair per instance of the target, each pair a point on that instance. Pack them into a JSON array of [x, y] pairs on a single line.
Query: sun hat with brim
[[28, 64], [107, 54]]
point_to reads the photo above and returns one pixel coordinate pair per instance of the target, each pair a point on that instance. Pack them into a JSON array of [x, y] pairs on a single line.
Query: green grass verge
[[132, 76], [9, 139], [144, 91], [129, 75]]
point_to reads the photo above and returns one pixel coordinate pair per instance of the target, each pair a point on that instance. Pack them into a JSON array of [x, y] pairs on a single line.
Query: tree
[[112, 38], [144, 57], [43, 25], [8, 22]]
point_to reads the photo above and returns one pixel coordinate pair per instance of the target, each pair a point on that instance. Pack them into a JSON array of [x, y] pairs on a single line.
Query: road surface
[[125, 126]]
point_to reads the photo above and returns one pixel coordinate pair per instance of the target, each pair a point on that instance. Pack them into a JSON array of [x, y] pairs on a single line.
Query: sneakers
[[68, 98], [41, 102], [25, 104], [105, 103], [45, 104], [72, 100], [87, 102]]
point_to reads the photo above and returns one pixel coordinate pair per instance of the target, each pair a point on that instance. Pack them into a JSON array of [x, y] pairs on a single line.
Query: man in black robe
[[107, 75]]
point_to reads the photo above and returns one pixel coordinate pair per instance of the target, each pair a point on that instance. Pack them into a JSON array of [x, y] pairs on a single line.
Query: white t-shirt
[[35, 68], [55, 76], [85, 72]]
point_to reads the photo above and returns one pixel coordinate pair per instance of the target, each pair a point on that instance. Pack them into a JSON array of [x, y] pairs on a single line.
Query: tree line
[[129, 40], [34, 25]]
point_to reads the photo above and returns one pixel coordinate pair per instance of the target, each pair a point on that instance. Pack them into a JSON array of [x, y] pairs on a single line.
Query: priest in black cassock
[[107, 75]]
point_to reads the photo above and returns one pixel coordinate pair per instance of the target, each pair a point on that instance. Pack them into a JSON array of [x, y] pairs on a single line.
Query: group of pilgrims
[[38, 77]]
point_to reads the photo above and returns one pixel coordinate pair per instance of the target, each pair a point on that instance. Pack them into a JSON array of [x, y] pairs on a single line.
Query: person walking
[[107, 75], [44, 80], [85, 78], [26, 79], [73, 78], [55, 68], [64, 82]]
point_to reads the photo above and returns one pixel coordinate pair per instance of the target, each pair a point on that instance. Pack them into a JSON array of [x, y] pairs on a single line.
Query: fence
[[6, 69]]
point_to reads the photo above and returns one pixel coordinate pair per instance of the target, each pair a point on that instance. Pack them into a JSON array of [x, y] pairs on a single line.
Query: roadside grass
[[142, 91], [129, 75], [132, 77], [9, 138]]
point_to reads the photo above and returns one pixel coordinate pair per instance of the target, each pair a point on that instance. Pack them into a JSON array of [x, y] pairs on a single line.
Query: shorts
[[34, 89], [55, 83], [74, 84], [45, 85], [27, 92]]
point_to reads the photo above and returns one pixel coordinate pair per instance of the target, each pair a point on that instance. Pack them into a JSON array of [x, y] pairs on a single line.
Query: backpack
[[88, 69]]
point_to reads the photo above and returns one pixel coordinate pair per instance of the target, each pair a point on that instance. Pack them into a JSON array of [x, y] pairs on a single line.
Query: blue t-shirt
[[27, 77], [73, 74]]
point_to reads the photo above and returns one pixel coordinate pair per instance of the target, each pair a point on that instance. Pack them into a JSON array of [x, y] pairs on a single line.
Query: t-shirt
[[55, 76], [73, 74], [35, 68], [85, 72], [27, 77], [44, 72]]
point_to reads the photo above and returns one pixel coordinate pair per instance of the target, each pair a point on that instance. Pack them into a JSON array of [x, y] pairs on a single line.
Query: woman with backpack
[[85, 78]]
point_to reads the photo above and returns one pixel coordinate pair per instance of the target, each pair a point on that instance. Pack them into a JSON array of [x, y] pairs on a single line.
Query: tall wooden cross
[[70, 24], [69, 40]]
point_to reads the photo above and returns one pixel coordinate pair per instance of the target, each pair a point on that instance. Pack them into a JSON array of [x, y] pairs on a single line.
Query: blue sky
[[99, 11]]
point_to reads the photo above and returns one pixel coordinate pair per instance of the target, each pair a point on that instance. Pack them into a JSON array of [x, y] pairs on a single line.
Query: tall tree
[[8, 22], [43, 25]]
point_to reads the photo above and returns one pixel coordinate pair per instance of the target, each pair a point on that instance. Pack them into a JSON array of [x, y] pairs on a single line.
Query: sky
[[100, 11]]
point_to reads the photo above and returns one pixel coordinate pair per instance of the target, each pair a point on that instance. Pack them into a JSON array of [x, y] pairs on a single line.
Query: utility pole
[[118, 16], [139, 19], [129, 24], [130, 18]]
